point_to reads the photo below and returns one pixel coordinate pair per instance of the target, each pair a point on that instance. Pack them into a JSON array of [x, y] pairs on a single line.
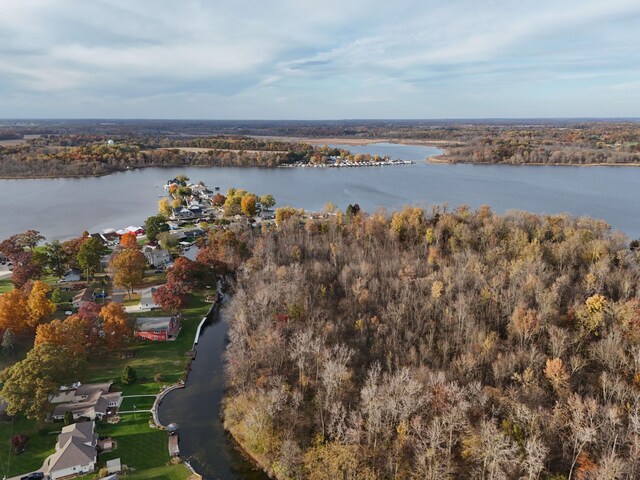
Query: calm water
[[196, 409], [61, 208]]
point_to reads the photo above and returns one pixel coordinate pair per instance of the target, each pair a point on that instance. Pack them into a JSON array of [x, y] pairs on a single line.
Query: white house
[[146, 300], [156, 256], [75, 451], [71, 276]]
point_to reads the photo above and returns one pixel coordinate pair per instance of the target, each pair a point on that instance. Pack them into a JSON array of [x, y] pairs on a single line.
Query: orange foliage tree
[[128, 240], [13, 311], [116, 325]]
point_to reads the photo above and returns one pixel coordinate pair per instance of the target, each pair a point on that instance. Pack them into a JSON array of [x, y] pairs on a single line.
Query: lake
[[61, 208]]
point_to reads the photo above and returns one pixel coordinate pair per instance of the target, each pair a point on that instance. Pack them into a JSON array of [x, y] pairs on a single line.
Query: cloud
[[287, 58]]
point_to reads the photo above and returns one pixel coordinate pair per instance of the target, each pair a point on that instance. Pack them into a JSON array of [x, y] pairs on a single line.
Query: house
[[159, 329], [146, 300], [182, 213], [71, 276], [111, 237], [156, 256], [135, 230], [98, 237], [84, 296], [93, 400], [75, 451]]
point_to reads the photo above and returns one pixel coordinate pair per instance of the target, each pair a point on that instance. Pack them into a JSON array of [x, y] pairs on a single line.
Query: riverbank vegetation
[[81, 148], [86, 155], [454, 344]]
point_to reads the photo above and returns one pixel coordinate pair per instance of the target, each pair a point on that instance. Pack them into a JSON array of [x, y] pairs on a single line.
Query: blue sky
[[330, 59]]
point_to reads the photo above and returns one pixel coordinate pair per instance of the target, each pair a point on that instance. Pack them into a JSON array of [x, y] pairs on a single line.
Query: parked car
[[102, 294], [33, 476]]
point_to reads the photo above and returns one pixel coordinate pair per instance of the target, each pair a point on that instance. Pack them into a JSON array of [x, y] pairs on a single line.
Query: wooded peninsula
[[446, 344], [82, 148]]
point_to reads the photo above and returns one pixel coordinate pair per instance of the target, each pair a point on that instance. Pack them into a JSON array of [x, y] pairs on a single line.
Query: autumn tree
[[267, 201], [39, 306], [27, 384], [285, 213], [117, 328], [69, 335], [189, 274], [25, 268], [248, 205], [129, 240], [164, 208], [128, 267], [19, 442], [14, 312], [218, 200], [171, 297]]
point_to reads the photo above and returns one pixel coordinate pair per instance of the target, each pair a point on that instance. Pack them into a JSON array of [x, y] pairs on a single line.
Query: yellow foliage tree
[[38, 304], [164, 208]]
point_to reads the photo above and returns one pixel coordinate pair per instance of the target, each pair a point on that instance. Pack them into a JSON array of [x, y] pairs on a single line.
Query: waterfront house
[[93, 400], [75, 453], [84, 296], [147, 303], [158, 329], [182, 213], [156, 256]]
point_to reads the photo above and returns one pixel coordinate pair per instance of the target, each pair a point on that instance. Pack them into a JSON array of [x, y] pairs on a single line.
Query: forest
[[440, 344]]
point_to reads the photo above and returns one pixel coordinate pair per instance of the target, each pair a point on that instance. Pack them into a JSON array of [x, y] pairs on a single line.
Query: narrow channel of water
[[196, 409]]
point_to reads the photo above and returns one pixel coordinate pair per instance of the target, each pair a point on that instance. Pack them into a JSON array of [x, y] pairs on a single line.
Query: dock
[[174, 449]]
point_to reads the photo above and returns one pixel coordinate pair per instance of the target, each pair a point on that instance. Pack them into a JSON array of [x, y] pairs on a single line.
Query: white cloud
[[282, 57]]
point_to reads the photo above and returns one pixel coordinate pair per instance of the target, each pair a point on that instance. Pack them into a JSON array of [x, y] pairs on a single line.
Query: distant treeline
[[80, 155], [75, 147]]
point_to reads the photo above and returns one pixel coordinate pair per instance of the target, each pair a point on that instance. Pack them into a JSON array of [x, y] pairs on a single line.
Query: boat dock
[[174, 449]]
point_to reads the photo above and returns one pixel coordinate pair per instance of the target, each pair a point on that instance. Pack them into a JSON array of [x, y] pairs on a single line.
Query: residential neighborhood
[[127, 281]]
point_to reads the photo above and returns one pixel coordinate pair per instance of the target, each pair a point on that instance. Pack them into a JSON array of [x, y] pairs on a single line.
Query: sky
[[329, 59]]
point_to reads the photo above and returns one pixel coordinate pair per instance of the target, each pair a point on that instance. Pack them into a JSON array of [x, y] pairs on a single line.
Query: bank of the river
[[197, 408]]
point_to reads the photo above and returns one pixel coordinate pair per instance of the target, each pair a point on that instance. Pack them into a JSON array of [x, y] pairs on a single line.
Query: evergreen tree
[[68, 418], [128, 375]]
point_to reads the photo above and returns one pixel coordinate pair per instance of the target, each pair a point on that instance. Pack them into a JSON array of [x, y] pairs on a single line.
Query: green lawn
[[6, 285], [139, 446], [169, 472], [41, 444], [141, 403], [151, 358]]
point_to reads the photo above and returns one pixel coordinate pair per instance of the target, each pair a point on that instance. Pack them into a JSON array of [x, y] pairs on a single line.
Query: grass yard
[[151, 358], [6, 285], [41, 444], [141, 403], [139, 446]]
